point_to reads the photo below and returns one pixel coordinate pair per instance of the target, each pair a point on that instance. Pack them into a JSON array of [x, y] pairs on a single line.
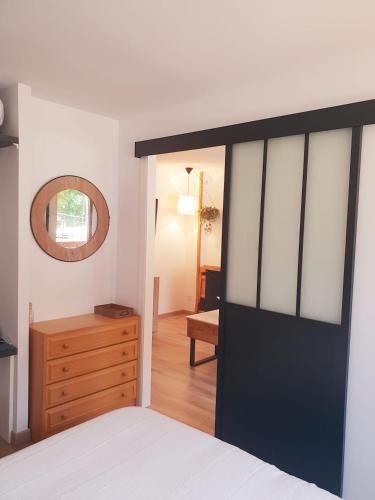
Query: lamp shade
[[187, 205]]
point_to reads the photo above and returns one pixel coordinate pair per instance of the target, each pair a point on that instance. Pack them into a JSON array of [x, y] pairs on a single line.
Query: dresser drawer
[[83, 409], [68, 343], [84, 385], [79, 364]]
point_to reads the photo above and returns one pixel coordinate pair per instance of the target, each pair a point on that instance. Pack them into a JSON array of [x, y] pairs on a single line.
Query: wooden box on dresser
[[80, 367]]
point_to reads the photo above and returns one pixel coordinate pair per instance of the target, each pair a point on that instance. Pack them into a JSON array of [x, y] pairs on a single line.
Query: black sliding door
[[288, 252]]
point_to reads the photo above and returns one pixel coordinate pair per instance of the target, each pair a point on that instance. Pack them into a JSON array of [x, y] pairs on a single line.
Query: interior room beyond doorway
[[188, 227]]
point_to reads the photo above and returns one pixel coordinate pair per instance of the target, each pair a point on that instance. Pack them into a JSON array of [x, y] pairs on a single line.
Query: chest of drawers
[[80, 367]]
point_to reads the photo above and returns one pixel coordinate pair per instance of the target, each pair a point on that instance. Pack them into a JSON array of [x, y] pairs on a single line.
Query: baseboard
[[175, 313], [20, 439]]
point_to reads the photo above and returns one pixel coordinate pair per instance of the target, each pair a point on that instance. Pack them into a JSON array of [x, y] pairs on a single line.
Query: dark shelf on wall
[[7, 140]]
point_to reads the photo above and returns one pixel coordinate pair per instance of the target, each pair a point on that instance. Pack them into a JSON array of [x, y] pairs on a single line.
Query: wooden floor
[[179, 391], [6, 449]]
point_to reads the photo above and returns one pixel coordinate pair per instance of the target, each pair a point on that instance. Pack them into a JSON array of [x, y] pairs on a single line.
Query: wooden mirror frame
[[38, 226]]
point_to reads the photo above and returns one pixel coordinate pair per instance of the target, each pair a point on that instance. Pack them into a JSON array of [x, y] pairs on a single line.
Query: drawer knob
[[123, 394], [65, 346], [124, 353], [125, 332], [63, 417], [65, 369], [123, 374], [63, 393]]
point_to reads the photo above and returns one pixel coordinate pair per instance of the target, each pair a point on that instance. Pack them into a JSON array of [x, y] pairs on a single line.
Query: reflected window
[[71, 218]]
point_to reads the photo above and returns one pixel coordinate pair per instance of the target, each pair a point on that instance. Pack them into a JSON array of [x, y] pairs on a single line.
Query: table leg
[[193, 362]]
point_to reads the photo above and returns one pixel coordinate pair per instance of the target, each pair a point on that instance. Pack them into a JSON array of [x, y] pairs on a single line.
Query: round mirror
[[69, 218]]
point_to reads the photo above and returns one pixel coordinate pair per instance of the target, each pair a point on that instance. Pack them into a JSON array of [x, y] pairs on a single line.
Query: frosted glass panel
[[243, 240], [281, 228], [325, 225]]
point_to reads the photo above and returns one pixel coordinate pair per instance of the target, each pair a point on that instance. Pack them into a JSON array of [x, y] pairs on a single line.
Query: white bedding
[[138, 454]]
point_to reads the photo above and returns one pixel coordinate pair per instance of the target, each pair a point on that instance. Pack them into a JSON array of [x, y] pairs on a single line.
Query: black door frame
[[354, 116]]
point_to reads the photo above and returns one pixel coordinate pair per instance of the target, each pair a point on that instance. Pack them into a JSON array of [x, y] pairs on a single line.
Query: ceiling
[[194, 157], [123, 56]]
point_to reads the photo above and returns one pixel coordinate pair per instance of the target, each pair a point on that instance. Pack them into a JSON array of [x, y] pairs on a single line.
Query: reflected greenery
[[71, 218]]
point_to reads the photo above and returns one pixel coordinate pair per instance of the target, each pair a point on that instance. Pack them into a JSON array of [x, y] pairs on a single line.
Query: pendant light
[[187, 204]]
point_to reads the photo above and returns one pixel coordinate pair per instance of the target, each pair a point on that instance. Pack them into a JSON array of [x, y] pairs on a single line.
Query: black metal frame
[[347, 116], [223, 293], [193, 361], [337, 336], [351, 227], [302, 224], [261, 220]]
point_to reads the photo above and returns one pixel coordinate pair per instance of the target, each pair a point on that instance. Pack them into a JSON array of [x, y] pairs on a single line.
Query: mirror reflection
[[71, 218]]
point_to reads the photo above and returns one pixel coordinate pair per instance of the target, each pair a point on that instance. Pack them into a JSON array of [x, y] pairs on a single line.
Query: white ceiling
[[120, 56], [194, 157]]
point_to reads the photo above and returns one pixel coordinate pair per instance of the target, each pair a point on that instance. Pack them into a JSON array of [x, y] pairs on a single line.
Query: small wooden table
[[203, 326]]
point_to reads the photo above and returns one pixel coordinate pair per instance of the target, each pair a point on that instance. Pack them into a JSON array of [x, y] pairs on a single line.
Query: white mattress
[[138, 454]]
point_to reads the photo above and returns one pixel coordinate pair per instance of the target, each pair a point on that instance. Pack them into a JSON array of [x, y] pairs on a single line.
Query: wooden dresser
[[80, 367]]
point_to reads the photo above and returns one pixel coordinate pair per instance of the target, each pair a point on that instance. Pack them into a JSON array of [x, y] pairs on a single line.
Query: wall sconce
[[187, 204]]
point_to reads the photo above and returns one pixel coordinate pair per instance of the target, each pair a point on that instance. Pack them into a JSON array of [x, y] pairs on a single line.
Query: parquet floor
[[178, 391]]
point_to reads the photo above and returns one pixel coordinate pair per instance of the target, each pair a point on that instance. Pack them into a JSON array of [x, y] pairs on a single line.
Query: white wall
[[24, 263], [9, 221], [175, 239], [315, 85], [131, 237], [58, 140], [213, 194], [68, 141], [360, 434], [8, 280], [8, 258]]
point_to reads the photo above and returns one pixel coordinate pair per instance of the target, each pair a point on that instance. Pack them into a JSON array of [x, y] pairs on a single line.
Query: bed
[[138, 454]]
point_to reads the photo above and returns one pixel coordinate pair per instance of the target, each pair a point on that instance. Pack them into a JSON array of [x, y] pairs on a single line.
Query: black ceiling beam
[[345, 116]]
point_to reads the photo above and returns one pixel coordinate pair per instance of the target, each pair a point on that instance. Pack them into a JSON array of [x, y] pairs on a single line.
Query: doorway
[[285, 311], [189, 187]]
